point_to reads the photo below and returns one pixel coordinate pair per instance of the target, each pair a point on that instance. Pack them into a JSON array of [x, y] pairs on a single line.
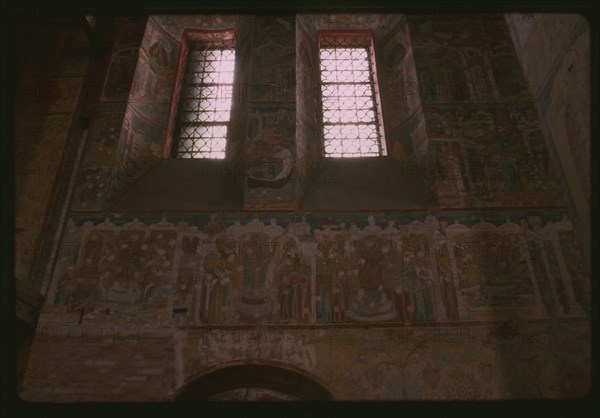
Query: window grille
[[351, 121], [205, 103]]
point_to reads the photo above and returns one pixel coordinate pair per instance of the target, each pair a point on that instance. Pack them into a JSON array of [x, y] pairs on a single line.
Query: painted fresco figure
[[325, 291], [123, 293], [449, 295], [371, 271], [156, 294], [372, 303], [421, 299], [339, 297], [528, 165], [402, 304], [254, 304], [131, 250], [331, 293], [301, 299], [453, 170], [87, 276], [293, 287], [285, 296], [65, 287], [293, 278], [159, 254], [217, 294], [508, 169], [159, 62], [96, 180], [254, 269], [419, 292], [84, 293]]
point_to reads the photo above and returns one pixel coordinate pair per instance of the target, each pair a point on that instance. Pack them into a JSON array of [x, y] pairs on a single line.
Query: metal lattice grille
[[350, 127], [205, 104]]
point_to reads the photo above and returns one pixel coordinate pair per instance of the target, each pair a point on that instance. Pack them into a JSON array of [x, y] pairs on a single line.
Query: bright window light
[[205, 104], [350, 124]]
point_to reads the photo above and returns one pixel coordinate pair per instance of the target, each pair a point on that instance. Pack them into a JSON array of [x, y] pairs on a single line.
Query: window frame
[[224, 38], [323, 37]]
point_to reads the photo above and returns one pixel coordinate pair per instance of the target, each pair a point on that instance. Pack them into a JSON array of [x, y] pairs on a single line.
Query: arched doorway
[[253, 382]]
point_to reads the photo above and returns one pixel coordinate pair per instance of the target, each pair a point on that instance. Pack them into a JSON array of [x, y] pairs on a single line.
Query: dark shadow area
[[182, 185], [255, 376], [367, 184]]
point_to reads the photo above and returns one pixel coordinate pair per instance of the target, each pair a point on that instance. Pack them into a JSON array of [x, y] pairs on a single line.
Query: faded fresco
[[473, 61], [400, 96], [103, 173], [174, 25], [459, 303], [381, 24], [409, 141], [501, 360], [141, 140], [493, 155], [139, 148], [270, 156], [308, 143], [120, 75], [99, 164], [270, 152], [281, 271], [153, 82]]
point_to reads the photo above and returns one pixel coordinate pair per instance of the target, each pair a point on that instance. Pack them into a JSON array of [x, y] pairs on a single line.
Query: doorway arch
[[289, 382]]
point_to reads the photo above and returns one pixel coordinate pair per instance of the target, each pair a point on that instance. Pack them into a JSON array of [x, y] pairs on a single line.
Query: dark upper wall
[[51, 67]]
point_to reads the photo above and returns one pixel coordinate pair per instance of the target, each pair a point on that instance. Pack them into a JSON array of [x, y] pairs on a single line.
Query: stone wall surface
[[453, 268]]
